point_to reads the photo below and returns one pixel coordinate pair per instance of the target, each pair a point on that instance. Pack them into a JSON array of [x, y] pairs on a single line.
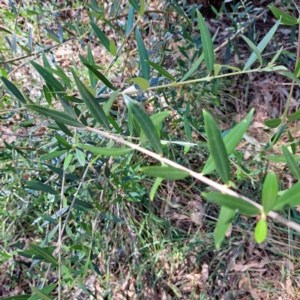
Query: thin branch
[[200, 177]]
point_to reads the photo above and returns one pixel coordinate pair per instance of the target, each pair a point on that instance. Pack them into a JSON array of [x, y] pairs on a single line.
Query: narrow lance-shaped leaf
[[40, 294], [143, 55], [91, 103], [161, 70], [101, 35], [231, 140], [44, 253], [55, 115], [237, 204], [293, 166], [217, 147], [261, 230], [206, 42], [39, 186], [145, 123], [154, 188], [290, 198], [165, 172], [100, 76], [16, 92], [105, 151], [292, 143], [285, 18], [270, 191], [261, 46], [225, 218], [253, 48]]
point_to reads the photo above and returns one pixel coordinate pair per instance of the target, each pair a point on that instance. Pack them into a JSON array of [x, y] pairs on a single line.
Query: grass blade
[[165, 172], [270, 192]]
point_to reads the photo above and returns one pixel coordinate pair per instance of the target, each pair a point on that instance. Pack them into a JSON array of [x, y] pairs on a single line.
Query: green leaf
[[45, 253], [105, 151], [38, 186], [231, 140], [295, 116], [285, 18], [281, 159], [261, 230], [270, 192], [112, 48], [165, 172], [290, 198], [49, 78], [11, 87], [94, 107], [134, 3], [156, 120], [162, 71], [40, 294], [154, 188], [53, 154], [145, 123], [100, 76], [130, 19], [80, 156], [141, 82], [55, 115], [272, 123], [143, 54], [62, 141], [217, 147], [19, 297], [297, 69], [253, 48], [107, 106], [206, 42], [101, 36], [187, 128], [293, 166], [67, 161], [261, 46], [292, 143], [225, 218], [291, 76], [193, 68], [237, 204], [46, 290]]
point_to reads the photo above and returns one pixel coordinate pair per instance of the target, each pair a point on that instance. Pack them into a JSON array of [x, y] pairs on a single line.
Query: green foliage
[[104, 141]]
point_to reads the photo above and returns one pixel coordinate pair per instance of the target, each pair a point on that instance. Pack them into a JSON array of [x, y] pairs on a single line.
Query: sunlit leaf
[[154, 188], [253, 48], [261, 230], [141, 82], [270, 192], [285, 18], [165, 172]]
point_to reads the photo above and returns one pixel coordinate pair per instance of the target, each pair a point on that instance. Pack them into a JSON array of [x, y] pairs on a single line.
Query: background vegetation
[[149, 149]]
